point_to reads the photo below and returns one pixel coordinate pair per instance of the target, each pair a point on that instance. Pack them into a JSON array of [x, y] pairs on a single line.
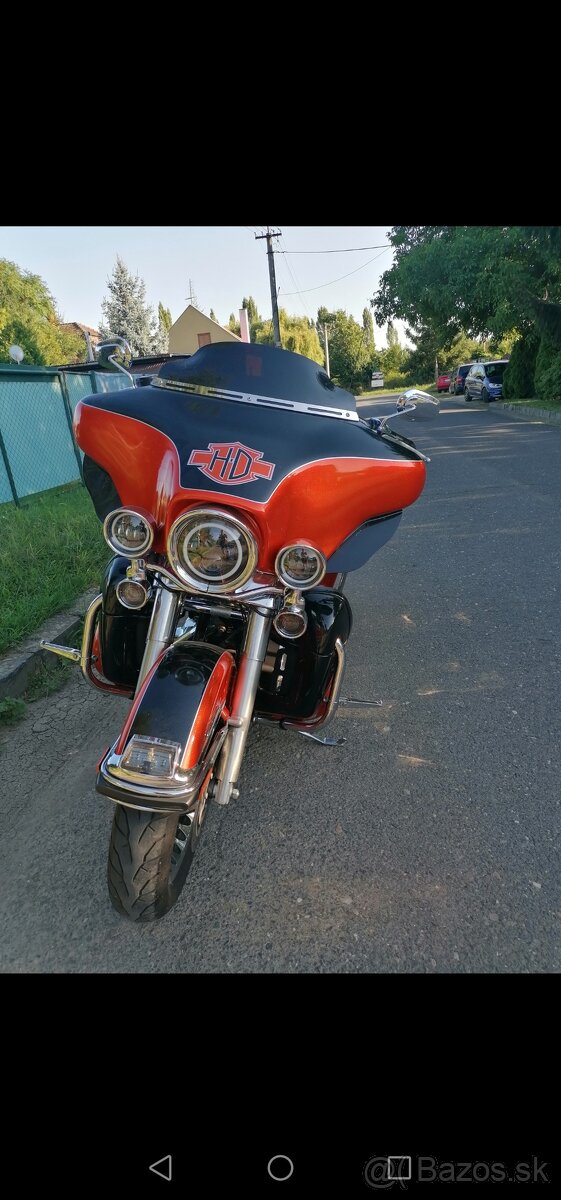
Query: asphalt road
[[428, 843]]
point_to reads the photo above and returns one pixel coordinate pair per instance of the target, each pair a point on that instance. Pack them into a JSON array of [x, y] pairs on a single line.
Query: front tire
[[485, 395], [150, 856]]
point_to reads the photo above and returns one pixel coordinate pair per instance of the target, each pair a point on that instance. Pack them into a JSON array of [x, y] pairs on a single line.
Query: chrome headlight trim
[[291, 581], [211, 515], [119, 547]]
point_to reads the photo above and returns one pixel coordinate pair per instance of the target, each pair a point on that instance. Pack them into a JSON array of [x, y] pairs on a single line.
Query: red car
[[443, 382]]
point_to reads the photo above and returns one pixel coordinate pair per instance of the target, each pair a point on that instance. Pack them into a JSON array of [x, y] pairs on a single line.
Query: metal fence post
[[11, 481], [68, 411]]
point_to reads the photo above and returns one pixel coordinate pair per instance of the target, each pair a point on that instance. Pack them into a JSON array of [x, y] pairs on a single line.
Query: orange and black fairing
[[259, 431]]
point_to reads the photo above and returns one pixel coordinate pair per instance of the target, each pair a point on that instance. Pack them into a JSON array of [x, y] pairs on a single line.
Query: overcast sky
[[224, 264]]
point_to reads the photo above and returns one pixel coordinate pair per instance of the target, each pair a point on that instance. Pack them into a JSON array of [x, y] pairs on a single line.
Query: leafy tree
[[350, 359], [368, 326], [252, 312], [213, 316], [29, 318], [392, 337], [126, 312], [233, 325], [485, 280], [160, 341], [298, 334]]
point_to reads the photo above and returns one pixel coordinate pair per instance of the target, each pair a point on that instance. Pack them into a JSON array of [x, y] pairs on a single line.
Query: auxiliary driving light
[[300, 566], [128, 532], [131, 594], [150, 756], [292, 621]]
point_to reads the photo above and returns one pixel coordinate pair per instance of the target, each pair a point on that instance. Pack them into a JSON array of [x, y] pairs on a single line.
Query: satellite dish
[[16, 353]]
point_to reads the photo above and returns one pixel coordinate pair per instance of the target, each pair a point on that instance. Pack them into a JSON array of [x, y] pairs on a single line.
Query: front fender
[[183, 701]]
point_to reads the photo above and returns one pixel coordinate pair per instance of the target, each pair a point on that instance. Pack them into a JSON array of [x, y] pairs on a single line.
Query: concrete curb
[[18, 666], [522, 410]]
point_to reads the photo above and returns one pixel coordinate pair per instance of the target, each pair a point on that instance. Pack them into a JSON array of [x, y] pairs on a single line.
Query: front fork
[[246, 683], [252, 657]]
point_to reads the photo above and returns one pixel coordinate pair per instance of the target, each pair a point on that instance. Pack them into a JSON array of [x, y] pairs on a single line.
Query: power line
[[296, 285], [339, 277], [349, 250]]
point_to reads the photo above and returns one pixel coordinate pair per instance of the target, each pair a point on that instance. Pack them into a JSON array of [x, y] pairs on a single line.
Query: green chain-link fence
[[37, 446]]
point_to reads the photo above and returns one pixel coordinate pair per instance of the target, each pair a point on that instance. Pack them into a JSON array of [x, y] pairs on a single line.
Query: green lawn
[[51, 549], [552, 405], [396, 391]]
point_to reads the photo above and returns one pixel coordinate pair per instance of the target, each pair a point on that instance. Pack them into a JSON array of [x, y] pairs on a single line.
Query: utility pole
[[270, 254], [326, 349]]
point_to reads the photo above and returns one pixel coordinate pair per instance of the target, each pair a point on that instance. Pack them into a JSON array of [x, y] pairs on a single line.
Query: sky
[[223, 262]]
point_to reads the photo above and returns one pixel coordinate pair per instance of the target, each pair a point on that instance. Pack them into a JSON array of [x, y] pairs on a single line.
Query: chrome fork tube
[[243, 701], [160, 631]]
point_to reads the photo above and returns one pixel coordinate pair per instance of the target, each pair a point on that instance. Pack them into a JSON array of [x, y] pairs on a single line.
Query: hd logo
[[231, 463]]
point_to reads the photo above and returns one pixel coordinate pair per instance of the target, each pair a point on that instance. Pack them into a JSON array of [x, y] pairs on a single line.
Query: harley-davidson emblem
[[231, 463]]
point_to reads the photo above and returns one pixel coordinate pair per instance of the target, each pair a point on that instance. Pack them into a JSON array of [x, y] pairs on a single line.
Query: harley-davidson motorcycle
[[236, 491]]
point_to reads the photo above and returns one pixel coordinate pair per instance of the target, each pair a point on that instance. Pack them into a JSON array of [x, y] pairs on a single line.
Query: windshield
[[495, 371], [240, 370]]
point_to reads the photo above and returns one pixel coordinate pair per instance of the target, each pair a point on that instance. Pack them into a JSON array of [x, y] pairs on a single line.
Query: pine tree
[[126, 312]]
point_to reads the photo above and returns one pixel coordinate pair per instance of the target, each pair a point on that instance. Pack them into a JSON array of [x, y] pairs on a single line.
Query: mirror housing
[[109, 353], [417, 405]]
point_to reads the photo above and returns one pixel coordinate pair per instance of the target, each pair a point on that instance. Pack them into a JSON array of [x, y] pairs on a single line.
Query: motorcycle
[[236, 492]]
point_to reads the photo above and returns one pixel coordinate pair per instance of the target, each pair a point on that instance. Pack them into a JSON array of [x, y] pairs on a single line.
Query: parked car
[[458, 379], [485, 380], [377, 379], [443, 382]]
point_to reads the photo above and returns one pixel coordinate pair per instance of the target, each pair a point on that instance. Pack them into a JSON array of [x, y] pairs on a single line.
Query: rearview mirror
[[417, 405], [114, 354]]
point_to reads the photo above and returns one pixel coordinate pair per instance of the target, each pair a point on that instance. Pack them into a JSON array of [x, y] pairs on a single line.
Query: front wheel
[[467, 396], [150, 856], [485, 395]]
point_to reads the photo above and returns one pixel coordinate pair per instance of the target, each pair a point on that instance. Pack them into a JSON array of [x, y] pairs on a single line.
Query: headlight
[[211, 550], [300, 566], [128, 532]]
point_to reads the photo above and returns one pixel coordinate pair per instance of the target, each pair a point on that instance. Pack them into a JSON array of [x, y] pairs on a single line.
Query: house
[[90, 336], [193, 329]]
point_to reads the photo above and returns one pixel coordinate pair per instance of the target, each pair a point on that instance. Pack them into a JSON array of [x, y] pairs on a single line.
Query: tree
[[368, 326], [126, 312], [160, 340], [392, 336], [233, 325], [253, 315], [29, 318], [298, 334], [350, 360], [213, 316], [485, 280]]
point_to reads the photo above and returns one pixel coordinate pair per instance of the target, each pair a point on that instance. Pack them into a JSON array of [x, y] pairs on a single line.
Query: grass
[[551, 405], [396, 391], [51, 549], [11, 710]]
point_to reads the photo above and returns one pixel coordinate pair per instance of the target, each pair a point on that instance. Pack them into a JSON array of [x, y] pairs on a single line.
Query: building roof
[[81, 328], [212, 321]]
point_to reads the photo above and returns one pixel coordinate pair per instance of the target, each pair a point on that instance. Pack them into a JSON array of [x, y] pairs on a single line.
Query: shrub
[[548, 370], [519, 375]]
